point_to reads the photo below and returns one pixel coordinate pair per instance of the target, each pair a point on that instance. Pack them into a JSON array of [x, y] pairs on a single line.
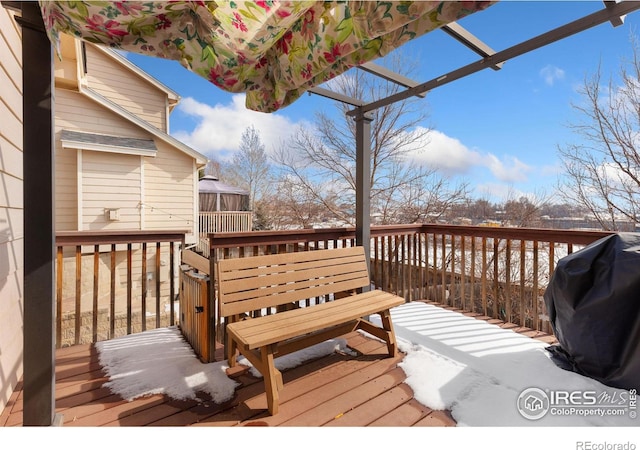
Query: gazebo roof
[[210, 184]]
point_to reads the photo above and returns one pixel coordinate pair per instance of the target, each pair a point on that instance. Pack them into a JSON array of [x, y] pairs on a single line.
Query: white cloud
[[444, 152], [451, 156], [551, 74], [220, 127], [510, 169]]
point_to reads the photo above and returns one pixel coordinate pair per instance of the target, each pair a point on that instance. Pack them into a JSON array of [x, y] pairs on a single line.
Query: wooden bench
[[282, 284]]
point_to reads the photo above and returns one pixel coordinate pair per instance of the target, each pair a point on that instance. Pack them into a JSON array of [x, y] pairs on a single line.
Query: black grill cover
[[593, 300]]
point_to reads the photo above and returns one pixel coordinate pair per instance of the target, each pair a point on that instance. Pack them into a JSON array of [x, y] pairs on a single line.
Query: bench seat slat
[[273, 267], [286, 325], [366, 298], [243, 306], [244, 287], [313, 256], [256, 283]]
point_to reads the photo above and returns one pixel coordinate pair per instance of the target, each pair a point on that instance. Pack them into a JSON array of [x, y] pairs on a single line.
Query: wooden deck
[[337, 390]]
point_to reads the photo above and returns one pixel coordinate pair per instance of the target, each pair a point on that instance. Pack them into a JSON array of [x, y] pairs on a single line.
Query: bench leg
[[272, 379], [392, 346], [231, 351]]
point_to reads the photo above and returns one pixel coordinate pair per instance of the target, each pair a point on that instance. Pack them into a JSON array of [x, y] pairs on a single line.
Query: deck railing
[[112, 283], [222, 222], [497, 272], [493, 271], [116, 283]]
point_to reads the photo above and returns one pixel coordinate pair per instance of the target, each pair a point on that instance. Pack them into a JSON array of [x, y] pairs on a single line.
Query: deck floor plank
[[358, 395], [437, 419], [406, 415], [368, 412], [294, 410]]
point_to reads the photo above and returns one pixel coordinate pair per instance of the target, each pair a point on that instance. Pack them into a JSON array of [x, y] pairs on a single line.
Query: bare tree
[[322, 161], [427, 200], [603, 173], [212, 168], [250, 168], [524, 211]]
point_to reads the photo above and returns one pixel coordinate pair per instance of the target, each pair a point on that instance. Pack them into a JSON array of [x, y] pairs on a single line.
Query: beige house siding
[[11, 207], [169, 196], [66, 185], [107, 77], [76, 112], [110, 183], [163, 185], [154, 192]]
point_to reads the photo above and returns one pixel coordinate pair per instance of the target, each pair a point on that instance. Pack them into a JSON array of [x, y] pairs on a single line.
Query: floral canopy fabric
[[274, 51]]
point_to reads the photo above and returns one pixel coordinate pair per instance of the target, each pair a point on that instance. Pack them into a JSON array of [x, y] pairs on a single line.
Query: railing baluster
[[172, 275], [375, 261], [129, 286], [463, 272], [96, 291], [419, 264], [435, 267], [59, 278], [415, 264], [78, 309], [112, 303], [452, 277], [496, 277], [552, 256], [157, 275], [534, 299], [389, 264], [144, 287], [507, 276], [402, 266], [484, 276], [523, 263], [472, 285], [443, 265]]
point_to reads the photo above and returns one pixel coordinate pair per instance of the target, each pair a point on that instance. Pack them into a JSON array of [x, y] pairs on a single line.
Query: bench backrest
[[257, 282]]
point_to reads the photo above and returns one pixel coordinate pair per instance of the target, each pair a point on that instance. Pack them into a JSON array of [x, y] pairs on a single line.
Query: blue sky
[[497, 130]]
